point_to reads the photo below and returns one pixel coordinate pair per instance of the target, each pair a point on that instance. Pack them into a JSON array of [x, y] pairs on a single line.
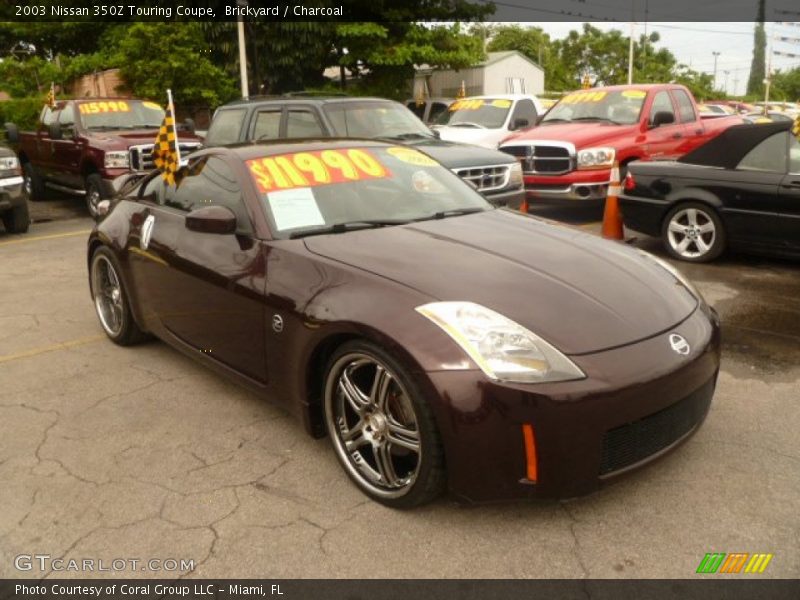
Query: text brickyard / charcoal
[[167, 12]]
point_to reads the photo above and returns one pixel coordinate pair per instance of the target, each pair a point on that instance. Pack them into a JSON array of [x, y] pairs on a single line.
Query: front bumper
[[11, 193], [506, 198], [636, 403], [575, 185]]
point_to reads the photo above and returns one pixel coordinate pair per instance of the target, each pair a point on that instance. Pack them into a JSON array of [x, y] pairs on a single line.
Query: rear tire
[[32, 183], [692, 231], [17, 219]]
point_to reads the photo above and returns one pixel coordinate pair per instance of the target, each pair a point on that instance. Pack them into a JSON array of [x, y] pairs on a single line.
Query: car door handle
[[698, 131], [676, 136], [791, 185]]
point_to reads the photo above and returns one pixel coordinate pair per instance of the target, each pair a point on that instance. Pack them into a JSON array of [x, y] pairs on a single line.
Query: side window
[[67, 120], [685, 106], [210, 181], [525, 109], [268, 125], [48, 116], [661, 103], [437, 108], [225, 127], [153, 190], [769, 155], [302, 123], [417, 109]]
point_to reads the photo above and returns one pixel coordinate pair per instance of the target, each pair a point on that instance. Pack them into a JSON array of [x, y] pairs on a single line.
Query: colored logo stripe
[[711, 562], [758, 563], [717, 561]]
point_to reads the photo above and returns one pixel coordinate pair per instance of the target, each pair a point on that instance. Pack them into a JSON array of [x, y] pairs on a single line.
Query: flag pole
[[174, 125]]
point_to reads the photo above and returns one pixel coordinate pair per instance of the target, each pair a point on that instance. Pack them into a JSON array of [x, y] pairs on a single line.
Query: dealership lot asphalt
[[109, 453]]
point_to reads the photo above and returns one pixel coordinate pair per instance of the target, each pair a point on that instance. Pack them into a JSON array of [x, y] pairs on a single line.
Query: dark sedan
[[740, 190], [443, 344]]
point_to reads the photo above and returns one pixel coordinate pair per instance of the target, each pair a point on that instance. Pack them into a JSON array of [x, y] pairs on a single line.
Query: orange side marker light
[[530, 452]]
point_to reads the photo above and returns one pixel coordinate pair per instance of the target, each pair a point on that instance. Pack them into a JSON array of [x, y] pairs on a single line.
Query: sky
[[693, 43]]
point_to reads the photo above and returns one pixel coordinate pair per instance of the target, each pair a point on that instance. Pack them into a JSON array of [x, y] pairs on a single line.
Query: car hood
[[581, 293], [583, 135], [134, 137], [459, 156], [487, 138]]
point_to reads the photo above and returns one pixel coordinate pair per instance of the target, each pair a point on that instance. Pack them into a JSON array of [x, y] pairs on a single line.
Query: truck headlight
[[503, 349], [9, 163], [117, 160], [596, 158], [515, 176]]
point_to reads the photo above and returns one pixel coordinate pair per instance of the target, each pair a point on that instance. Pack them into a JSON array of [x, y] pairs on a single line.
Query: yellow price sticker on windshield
[[93, 108], [152, 105], [412, 157], [501, 103], [634, 94], [467, 104], [579, 97], [310, 169]]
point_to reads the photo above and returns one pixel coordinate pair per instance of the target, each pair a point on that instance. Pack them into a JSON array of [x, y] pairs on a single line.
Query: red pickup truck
[[570, 153], [81, 145]]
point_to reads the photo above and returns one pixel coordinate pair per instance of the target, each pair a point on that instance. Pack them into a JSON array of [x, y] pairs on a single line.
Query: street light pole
[[242, 51], [716, 54]]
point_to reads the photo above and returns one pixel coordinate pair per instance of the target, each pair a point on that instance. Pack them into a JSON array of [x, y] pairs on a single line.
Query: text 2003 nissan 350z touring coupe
[[441, 343]]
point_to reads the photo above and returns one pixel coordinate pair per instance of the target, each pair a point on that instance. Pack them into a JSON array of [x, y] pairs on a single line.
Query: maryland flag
[[51, 96], [166, 154], [796, 127]]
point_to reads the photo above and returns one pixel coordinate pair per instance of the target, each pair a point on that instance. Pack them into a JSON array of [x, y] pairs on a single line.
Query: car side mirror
[[662, 117], [188, 125], [55, 131], [519, 124], [211, 219], [437, 134], [12, 133]]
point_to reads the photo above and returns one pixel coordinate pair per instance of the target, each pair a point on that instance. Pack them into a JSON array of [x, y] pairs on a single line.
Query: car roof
[[301, 100], [500, 97], [248, 150]]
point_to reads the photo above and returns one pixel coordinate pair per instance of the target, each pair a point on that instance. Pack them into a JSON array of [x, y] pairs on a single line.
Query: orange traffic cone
[[523, 208], [612, 218]]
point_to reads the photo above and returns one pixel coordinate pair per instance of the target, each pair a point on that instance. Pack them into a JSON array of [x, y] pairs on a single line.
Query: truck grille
[[141, 156], [543, 159], [488, 178], [630, 443]]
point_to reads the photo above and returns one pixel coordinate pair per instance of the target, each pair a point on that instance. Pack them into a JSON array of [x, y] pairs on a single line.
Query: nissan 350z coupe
[[441, 343]]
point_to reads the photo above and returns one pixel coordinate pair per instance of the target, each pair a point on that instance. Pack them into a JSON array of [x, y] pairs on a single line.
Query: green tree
[[755, 83], [700, 84], [786, 85]]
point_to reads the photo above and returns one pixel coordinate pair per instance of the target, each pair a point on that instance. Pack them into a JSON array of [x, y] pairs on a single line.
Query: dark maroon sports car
[[441, 343]]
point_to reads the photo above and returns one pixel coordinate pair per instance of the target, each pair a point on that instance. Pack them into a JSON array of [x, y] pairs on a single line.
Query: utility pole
[[630, 58], [242, 52], [726, 80], [716, 55]]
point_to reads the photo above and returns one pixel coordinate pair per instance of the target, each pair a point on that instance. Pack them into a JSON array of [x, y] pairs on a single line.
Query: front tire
[[111, 300], [94, 193], [381, 427], [32, 183], [17, 219], [693, 232]]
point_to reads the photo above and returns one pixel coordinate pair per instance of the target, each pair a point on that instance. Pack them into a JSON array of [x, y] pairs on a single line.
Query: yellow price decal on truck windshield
[[501, 103], [309, 169], [579, 97], [634, 94], [466, 105], [91, 108], [412, 157]]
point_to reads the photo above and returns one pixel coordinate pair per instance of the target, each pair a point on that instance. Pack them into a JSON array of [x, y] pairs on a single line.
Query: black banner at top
[[393, 10]]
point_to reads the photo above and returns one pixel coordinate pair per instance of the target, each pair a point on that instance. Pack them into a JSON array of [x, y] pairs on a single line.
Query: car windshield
[[339, 189], [478, 113], [120, 114], [621, 107], [375, 119]]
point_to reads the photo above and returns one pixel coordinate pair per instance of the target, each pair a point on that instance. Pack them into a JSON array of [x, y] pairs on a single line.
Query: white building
[[509, 72]]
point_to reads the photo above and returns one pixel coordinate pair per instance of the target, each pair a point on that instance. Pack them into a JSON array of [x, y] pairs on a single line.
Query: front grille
[[543, 159], [141, 156], [486, 179], [630, 443]]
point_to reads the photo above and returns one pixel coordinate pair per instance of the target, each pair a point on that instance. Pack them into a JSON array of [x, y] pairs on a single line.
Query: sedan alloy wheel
[[693, 232]]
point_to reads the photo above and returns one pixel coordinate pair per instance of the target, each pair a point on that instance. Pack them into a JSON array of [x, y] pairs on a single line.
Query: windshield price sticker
[[501, 103], [579, 97], [634, 94], [466, 105], [412, 157], [91, 108], [309, 169]]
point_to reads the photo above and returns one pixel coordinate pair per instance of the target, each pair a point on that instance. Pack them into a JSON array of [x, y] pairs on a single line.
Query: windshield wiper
[[454, 212], [597, 119], [468, 124], [348, 226], [407, 136]]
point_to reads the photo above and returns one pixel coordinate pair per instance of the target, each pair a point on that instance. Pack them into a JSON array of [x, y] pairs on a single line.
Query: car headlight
[[684, 281], [117, 160], [8, 163], [515, 176], [596, 158], [503, 349]]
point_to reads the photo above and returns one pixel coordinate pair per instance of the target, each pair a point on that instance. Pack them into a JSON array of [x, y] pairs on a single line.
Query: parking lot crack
[[573, 522]]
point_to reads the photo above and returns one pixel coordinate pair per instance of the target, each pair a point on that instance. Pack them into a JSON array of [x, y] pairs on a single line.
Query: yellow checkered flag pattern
[[51, 96], [166, 155], [796, 127]]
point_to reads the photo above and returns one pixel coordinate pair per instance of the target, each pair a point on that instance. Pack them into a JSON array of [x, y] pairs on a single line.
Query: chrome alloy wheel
[[27, 185], [691, 233], [374, 427], [108, 298], [92, 200]]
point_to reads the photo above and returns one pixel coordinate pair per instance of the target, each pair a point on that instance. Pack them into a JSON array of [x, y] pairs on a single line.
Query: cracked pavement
[[108, 452]]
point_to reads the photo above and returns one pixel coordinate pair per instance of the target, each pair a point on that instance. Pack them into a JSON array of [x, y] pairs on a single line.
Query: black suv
[[498, 176]]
